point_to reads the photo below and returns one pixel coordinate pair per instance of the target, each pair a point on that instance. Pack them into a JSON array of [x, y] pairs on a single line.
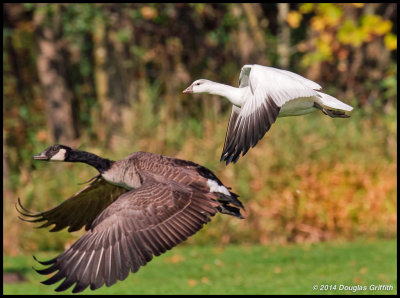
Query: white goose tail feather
[[331, 102]]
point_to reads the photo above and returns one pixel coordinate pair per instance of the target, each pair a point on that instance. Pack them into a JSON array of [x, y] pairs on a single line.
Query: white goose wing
[[269, 89]]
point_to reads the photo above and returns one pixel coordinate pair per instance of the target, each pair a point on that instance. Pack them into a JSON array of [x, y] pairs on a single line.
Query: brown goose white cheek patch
[[60, 156]]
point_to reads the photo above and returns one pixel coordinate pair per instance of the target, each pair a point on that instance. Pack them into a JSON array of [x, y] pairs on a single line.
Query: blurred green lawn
[[245, 269]]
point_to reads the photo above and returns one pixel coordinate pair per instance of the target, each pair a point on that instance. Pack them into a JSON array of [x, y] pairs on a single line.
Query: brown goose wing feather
[[142, 223], [79, 210], [195, 176], [184, 172]]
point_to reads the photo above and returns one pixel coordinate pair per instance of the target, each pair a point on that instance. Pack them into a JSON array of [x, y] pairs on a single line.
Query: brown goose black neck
[[101, 164]]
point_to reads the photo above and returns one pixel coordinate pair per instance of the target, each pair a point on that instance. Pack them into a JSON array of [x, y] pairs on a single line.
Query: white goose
[[264, 94]]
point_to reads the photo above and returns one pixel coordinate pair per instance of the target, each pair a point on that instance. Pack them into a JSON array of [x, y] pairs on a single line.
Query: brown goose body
[[136, 208]]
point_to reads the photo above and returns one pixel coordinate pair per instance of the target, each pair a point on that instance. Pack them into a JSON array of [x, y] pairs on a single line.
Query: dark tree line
[[82, 58]]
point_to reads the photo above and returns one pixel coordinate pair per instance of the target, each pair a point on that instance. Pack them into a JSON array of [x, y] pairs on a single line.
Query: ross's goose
[[264, 94]]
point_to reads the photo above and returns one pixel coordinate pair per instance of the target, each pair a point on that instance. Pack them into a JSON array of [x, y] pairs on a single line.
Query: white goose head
[[200, 86]]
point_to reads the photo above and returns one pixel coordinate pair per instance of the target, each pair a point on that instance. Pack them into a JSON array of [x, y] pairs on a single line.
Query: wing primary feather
[[130, 230]]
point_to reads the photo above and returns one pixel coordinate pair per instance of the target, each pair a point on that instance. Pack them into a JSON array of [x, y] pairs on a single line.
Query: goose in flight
[[134, 209], [264, 94]]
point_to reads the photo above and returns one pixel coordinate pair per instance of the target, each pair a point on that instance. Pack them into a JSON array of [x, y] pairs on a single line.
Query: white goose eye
[[198, 84]]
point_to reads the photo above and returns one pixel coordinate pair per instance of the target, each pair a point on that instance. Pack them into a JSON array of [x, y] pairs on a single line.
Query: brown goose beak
[[40, 156]]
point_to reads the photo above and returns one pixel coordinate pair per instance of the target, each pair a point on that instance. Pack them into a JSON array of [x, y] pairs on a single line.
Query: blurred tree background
[[108, 78]]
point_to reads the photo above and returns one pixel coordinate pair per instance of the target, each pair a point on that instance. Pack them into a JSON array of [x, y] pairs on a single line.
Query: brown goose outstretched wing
[[142, 223], [79, 210]]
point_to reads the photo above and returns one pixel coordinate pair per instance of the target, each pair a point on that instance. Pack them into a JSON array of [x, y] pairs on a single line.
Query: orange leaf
[[192, 282], [174, 259], [205, 280], [294, 18]]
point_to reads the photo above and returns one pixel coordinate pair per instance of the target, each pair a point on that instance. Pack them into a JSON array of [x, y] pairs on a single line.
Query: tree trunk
[[256, 45], [283, 35], [11, 52], [52, 74]]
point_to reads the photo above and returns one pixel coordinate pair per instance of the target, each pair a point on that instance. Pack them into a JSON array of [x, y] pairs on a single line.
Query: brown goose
[[134, 209]]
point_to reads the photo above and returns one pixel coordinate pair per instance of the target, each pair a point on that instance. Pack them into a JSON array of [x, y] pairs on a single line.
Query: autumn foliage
[[121, 69]]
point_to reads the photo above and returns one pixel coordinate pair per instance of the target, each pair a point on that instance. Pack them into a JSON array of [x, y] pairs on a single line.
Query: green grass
[[252, 269]]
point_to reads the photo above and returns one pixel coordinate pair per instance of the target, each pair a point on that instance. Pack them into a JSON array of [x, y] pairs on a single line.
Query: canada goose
[[137, 207], [264, 94]]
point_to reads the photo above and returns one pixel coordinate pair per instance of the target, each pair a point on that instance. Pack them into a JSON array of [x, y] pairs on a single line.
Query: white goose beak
[[188, 89]]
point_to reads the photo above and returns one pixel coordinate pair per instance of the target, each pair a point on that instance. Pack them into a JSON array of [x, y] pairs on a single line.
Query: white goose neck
[[233, 94]]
